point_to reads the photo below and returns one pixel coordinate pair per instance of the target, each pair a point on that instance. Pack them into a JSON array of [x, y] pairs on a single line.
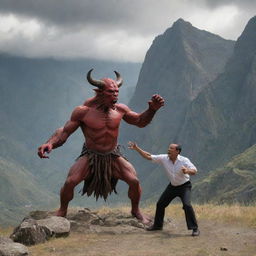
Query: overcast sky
[[120, 30]]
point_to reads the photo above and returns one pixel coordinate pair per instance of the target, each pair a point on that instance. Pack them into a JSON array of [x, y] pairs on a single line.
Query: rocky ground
[[118, 234]]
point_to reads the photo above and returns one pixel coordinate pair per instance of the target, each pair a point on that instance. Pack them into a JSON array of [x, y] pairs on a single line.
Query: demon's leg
[[127, 173], [77, 173]]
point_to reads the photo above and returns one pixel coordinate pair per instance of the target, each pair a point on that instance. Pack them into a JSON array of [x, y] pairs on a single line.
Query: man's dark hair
[[178, 147]]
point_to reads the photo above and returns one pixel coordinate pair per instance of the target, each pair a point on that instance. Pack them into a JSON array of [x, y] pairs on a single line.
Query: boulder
[[114, 222], [57, 226], [9, 248], [31, 231]]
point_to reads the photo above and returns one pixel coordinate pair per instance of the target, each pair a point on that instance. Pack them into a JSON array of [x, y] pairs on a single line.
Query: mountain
[[221, 121], [179, 65], [233, 183], [214, 124]]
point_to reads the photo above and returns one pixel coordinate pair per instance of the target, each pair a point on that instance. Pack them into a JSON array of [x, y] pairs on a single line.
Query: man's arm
[[61, 134], [188, 167], [144, 118], [188, 171], [134, 146]]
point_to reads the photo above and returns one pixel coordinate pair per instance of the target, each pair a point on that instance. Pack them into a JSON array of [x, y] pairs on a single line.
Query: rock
[[112, 222], [40, 226], [5, 240], [117, 222], [38, 215], [57, 226], [84, 215], [82, 219], [9, 248], [29, 233]]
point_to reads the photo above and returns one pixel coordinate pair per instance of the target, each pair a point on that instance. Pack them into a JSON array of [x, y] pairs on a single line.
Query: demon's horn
[[99, 83], [119, 79]]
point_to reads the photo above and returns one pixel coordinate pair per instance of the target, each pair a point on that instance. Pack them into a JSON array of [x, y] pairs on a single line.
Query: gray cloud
[[83, 13], [109, 29], [64, 12], [239, 3]]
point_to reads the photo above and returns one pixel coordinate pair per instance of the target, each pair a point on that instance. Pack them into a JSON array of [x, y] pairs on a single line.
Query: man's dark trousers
[[184, 192]]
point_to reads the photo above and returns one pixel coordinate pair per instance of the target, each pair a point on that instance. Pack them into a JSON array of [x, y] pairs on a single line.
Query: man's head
[[107, 90], [174, 150]]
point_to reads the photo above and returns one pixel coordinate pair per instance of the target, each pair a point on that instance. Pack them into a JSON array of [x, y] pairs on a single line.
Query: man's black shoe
[[196, 232], [154, 228]]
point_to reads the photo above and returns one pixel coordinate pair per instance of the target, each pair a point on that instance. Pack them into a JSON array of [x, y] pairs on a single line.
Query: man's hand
[[184, 170], [188, 171], [43, 149], [156, 102], [132, 145]]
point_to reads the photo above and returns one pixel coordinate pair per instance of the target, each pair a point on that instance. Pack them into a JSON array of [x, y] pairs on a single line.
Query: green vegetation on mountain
[[20, 192], [233, 183]]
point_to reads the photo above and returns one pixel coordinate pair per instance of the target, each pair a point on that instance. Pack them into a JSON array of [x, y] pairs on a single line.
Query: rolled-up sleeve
[[157, 158]]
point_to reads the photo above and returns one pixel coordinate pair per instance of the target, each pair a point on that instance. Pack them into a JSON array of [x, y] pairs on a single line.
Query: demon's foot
[[61, 213], [141, 217]]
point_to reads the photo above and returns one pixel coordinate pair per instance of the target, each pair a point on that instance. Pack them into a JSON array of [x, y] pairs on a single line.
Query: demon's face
[[108, 89], [110, 92]]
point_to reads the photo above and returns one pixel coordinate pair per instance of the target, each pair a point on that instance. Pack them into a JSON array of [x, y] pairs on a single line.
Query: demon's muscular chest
[[97, 120]]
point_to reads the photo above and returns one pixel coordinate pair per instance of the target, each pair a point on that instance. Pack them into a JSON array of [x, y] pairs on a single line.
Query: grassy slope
[[235, 182], [20, 192]]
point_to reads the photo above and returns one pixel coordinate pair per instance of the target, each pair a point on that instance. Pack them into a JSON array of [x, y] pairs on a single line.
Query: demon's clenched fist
[[156, 102]]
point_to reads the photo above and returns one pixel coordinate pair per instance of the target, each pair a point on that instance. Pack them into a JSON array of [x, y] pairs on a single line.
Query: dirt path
[[216, 239]]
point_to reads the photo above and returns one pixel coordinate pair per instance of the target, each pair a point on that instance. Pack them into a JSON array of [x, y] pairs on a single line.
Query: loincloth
[[100, 180]]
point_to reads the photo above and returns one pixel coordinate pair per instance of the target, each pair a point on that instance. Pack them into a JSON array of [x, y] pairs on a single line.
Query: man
[[178, 169], [101, 164]]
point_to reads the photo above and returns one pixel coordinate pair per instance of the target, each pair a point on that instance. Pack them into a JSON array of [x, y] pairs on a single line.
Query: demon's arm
[[144, 118], [61, 134]]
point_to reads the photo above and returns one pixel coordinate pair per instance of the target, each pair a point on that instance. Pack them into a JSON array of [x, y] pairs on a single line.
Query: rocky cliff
[[221, 121], [179, 65]]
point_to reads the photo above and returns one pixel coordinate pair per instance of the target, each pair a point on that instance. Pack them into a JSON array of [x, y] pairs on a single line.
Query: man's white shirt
[[173, 170]]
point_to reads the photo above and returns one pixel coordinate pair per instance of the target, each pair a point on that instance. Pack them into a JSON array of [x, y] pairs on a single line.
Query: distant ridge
[[221, 121]]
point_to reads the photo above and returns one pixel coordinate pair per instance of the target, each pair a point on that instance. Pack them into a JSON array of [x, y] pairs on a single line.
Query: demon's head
[[107, 88]]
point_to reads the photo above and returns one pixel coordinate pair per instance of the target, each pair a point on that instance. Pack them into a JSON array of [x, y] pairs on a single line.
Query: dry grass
[[65, 246], [230, 214], [6, 231]]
